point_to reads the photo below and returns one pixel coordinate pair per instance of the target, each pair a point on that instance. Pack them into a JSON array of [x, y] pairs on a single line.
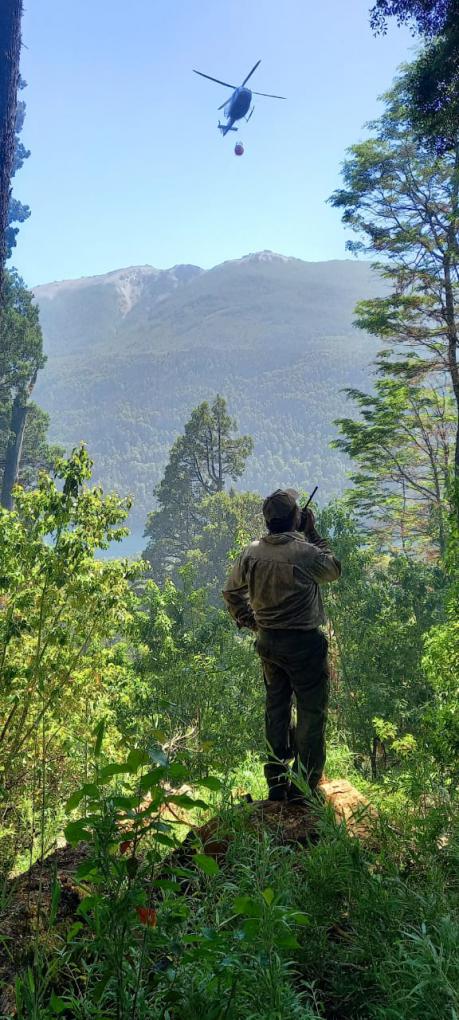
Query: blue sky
[[127, 165]]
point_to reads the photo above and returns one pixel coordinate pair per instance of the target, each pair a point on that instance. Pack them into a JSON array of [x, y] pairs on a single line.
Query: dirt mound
[[26, 910]]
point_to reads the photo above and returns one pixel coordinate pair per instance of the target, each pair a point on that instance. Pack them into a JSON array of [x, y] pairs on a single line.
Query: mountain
[[131, 353]]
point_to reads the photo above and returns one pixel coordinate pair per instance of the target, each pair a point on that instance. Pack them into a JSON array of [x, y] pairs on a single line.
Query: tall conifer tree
[[202, 461], [10, 49]]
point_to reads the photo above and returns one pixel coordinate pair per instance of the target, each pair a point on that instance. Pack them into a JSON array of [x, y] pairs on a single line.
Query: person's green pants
[[294, 663]]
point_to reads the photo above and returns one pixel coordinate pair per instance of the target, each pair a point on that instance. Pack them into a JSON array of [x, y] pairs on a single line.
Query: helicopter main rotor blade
[[250, 73], [224, 104], [267, 95], [209, 76]]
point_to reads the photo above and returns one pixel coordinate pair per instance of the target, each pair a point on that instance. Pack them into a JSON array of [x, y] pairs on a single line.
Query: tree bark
[[452, 353], [450, 258], [10, 49], [14, 447]]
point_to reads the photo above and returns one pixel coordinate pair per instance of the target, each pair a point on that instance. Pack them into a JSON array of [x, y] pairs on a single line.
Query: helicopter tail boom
[[224, 128]]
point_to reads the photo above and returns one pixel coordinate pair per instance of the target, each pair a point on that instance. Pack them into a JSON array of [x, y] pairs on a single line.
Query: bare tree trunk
[[452, 332], [10, 49], [15, 441], [452, 358], [13, 451]]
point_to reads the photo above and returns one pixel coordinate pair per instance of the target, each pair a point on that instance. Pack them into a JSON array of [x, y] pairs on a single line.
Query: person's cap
[[280, 504]]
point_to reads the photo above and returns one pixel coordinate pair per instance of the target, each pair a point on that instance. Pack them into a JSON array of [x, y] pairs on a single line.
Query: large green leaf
[[167, 884], [178, 771], [73, 930], [87, 870], [287, 941], [114, 769], [57, 1004], [251, 928], [248, 906], [211, 783], [136, 758], [88, 790], [76, 832], [206, 864], [151, 779], [185, 801], [297, 917]]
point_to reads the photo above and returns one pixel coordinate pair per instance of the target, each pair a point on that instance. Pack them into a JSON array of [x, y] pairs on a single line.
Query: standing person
[[273, 589]]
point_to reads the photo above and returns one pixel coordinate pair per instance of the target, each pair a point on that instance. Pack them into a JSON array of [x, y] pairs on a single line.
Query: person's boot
[[277, 780], [278, 792], [295, 796]]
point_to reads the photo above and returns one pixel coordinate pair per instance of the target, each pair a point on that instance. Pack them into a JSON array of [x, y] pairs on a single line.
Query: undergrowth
[[266, 932]]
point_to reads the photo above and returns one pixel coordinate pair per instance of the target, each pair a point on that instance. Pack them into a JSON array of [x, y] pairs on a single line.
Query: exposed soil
[[27, 906]]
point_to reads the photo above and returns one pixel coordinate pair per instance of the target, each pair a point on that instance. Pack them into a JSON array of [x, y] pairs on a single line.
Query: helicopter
[[238, 104]]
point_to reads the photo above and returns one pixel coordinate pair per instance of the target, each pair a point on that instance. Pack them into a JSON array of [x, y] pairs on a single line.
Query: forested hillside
[[131, 353]]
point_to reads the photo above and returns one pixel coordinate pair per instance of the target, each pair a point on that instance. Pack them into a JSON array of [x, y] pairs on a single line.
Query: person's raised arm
[[325, 566]]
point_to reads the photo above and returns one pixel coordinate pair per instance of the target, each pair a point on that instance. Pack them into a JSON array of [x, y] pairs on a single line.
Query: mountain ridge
[[50, 289]]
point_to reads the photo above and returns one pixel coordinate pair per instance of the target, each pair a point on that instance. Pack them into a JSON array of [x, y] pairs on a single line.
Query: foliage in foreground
[[441, 666], [271, 931], [60, 609]]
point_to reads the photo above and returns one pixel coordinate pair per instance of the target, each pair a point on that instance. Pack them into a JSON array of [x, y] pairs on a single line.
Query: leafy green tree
[[37, 453], [232, 519], [61, 613], [441, 665], [202, 683], [433, 79], [404, 204], [21, 357], [431, 17], [201, 462], [401, 442], [378, 614]]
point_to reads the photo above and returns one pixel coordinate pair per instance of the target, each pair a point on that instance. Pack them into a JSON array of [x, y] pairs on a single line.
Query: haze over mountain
[[131, 353]]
